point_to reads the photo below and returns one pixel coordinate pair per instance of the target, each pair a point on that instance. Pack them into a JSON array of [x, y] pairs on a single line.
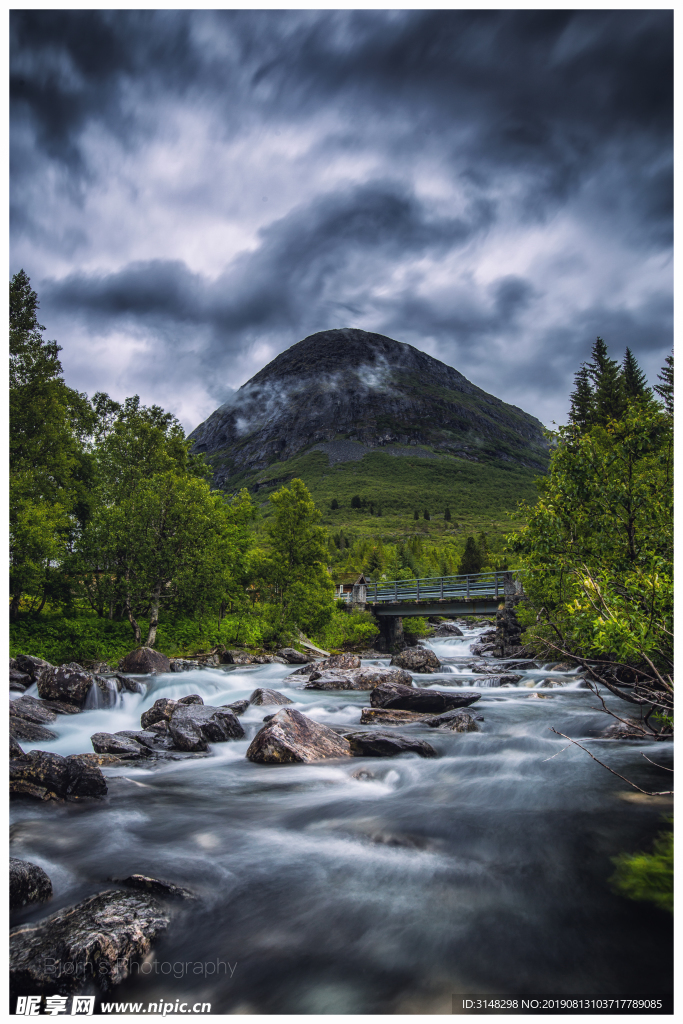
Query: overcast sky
[[193, 192]]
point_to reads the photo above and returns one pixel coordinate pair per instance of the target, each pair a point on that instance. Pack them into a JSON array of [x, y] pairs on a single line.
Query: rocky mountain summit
[[346, 392]]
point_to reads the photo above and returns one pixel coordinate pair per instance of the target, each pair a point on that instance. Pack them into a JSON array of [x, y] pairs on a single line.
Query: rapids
[[372, 885]]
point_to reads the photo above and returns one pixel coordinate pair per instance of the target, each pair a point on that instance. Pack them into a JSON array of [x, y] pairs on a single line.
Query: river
[[373, 885]]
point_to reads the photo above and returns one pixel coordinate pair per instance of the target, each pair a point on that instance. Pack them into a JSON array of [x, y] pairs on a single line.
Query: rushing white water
[[373, 885]]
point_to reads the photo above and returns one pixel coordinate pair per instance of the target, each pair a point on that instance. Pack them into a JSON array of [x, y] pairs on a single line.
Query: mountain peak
[[353, 385]]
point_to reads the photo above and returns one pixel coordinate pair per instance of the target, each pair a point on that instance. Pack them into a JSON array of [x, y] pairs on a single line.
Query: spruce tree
[[447, 515], [416, 515], [665, 390], [471, 561], [608, 387], [582, 399], [426, 514], [635, 381]]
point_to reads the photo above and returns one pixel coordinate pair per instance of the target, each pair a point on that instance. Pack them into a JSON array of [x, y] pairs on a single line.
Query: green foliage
[[347, 629], [355, 501], [426, 514], [334, 505], [665, 390], [50, 468], [648, 876], [59, 639], [293, 571], [472, 558], [598, 544]]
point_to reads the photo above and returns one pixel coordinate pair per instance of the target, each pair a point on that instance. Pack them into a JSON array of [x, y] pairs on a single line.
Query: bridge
[[473, 594]]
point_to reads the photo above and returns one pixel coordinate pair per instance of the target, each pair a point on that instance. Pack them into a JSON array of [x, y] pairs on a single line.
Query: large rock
[[15, 749], [183, 665], [292, 737], [145, 661], [157, 886], [27, 884], [390, 716], [47, 776], [119, 743], [238, 707], [447, 629], [417, 659], [384, 744], [161, 710], [456, 721], [294, 657], [265, 696], [18, 681], [93, 941], [71, 684], [192, 726], [356, 679], [407, 698], [345, 662], [33, 667]]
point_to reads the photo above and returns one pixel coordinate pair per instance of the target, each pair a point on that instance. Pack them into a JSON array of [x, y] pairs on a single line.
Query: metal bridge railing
[[483, 584]]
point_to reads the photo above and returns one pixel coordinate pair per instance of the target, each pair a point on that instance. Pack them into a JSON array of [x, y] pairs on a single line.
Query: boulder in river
[[119, 744], [407, 698], [292, 737], [265, 696], [192, 727], [93, 941], [47, 776], [294, 657], [145, 661], [15, 749], [356, 679], [455, 720], [71, 684], [161, 710], [238, 707], [385, 744], [345, 662], [156, 886], [33, 667], [19, 681], [444, 629], [390, 716], [626, 730], [417, 659], [27, 884], [183, 664]]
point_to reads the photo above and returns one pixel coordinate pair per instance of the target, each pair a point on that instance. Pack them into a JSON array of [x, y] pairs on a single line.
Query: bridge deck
[[474, 594]]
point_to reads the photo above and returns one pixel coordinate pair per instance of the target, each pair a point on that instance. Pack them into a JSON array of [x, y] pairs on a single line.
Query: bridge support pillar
[[391, 637], [508, 628]]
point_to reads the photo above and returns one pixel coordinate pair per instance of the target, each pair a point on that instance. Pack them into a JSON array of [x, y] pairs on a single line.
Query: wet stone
[[145, 661], [156, 886], [28, 883], [290, 737], [192, 727], [238, 707], [384, 744], [417, 659], [407, 698], [100, 936], [265, 696], [46, 776]]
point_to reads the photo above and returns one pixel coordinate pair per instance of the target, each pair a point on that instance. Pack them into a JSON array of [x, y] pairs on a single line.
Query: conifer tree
[[666, 389], [635, 381], [608, 388], [447, 515], [582, 399]]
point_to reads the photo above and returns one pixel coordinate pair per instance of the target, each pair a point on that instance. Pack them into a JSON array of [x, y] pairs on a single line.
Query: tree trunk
[[14, 606], [131, 619], [154, 617]]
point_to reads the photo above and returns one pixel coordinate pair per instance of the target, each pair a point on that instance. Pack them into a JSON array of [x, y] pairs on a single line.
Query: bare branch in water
[[662, 792]]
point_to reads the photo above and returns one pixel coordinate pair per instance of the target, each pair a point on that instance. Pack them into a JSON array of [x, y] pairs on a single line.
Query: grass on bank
[[84, 638]]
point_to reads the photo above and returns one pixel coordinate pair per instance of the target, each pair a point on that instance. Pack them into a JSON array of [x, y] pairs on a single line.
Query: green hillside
[[480, 495]]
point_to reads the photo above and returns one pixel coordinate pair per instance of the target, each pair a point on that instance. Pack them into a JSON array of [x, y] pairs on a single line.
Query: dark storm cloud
[[493, 186], [292, 278]]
